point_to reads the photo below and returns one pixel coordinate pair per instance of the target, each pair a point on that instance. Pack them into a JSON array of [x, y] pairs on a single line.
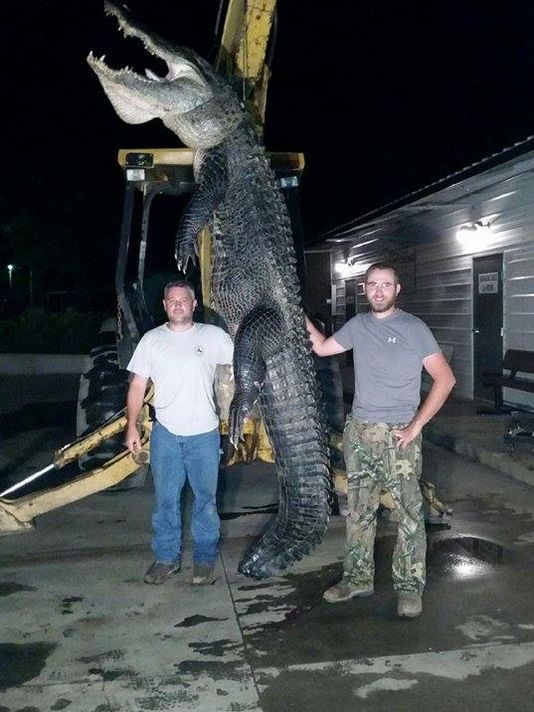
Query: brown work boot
[[410, 605], [344, 590], [202, 575], [159, 572]]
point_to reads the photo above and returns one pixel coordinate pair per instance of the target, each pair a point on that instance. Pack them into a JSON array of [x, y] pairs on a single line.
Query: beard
[[382, 306]]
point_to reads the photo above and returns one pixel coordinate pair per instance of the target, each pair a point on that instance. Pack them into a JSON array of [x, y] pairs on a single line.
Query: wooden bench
[[514, 361]]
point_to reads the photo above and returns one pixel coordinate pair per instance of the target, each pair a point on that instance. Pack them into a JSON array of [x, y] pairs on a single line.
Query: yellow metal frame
[[292, 160], [243, 49], [16, 515], [160, 156]]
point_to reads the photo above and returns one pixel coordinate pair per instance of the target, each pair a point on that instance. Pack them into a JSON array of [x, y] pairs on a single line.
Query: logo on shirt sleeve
[[392, 339]]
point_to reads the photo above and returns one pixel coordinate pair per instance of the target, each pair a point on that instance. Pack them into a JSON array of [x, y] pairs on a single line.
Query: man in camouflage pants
[[382, 437]]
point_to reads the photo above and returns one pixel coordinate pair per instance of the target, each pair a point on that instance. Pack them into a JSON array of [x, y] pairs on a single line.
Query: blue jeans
[[173, 458]]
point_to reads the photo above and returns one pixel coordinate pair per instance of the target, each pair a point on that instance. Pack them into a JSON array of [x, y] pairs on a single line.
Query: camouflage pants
[[374, 463]]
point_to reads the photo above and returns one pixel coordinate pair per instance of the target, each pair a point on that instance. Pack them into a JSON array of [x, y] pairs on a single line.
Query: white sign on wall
[[488, 283]]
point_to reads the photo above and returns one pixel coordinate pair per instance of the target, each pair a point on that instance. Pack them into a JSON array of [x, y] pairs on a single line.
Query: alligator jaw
[[179, 64], [137, 98]]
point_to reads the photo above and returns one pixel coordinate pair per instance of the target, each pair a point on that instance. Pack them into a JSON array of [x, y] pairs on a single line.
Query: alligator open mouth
[[186, 84], [178, 63]]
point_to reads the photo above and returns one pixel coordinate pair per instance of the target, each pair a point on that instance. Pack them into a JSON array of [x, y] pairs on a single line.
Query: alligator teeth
[[151, 75]]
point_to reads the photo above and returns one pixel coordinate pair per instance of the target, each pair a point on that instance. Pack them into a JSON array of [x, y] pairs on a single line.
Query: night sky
[[382, 97]]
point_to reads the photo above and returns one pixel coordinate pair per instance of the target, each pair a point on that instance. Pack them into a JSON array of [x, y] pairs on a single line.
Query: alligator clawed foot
[[186, 255], [239, 410]]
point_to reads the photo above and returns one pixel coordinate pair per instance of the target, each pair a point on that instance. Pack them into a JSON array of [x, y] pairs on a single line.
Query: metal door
[[487, 321]]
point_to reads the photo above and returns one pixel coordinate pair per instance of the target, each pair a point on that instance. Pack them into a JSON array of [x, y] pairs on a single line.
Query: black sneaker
[[202, 575], [160, 572]]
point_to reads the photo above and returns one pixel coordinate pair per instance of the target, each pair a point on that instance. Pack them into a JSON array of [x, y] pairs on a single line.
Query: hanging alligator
[[254, 283]]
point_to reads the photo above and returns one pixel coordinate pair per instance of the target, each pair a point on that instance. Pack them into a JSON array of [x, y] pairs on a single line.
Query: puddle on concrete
[[217, 648], [464, 557], [116, 654], [298, 605], [21, 663], [196, 620], [300, 594], [217, 670], [110, 675], [66, 604], [255, 587], [9, 587]]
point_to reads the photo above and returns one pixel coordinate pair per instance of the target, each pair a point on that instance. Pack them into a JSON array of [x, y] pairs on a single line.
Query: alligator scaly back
[[255, 284]]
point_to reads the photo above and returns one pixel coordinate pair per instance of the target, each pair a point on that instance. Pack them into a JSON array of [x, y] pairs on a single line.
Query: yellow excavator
[[156, 182]]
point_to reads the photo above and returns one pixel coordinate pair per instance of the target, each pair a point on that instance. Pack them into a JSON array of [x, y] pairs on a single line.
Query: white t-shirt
[[181, 365]]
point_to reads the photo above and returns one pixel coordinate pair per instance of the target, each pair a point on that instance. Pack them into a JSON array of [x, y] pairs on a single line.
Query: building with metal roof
[[464, 246]]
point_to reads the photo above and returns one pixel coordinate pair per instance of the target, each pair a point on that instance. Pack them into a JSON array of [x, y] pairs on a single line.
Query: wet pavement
[[459, 427], [80, 631]]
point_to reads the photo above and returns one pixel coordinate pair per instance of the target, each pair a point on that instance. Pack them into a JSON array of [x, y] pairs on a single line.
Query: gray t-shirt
[[182, 366], [388, 359]]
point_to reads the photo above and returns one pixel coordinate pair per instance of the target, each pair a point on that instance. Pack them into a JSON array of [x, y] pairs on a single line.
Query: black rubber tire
[[102, 393]]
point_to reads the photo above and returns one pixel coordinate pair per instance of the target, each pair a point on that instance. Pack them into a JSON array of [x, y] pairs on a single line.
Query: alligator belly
[[236, 289]]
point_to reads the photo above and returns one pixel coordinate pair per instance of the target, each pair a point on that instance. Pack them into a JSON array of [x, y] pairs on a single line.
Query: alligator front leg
[[257, 337], [212, 182]]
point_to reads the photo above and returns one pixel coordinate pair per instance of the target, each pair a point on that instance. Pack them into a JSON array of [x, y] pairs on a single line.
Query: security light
[[474, 234]]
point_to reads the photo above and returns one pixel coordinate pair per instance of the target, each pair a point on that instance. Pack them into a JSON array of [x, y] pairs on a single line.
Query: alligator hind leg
[[257, 335]]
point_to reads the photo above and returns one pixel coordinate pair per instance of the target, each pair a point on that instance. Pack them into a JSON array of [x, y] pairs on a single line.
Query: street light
[[10, 269]]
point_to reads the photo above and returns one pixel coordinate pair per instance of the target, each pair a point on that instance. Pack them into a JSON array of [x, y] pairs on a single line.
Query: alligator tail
[[289, 402]]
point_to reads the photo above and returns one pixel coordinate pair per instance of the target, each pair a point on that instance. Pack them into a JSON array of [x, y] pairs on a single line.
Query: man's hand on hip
[[406, 435]]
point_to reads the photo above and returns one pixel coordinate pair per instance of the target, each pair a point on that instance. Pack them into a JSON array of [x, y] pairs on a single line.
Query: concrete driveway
[[80, 631]]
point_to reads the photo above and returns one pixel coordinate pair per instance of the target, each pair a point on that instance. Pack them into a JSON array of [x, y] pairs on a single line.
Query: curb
[[37, 364], [500, 461]]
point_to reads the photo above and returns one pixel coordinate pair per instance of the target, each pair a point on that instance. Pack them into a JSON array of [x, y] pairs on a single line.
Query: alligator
[[254, 280]]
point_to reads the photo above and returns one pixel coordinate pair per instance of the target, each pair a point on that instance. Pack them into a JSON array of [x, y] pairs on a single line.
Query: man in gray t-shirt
[[382, 437]]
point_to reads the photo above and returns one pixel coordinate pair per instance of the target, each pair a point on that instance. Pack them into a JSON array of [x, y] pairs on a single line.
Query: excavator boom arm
[[17, 514]]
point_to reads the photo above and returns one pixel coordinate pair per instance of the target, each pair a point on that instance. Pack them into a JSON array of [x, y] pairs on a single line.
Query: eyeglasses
[[383, 286]]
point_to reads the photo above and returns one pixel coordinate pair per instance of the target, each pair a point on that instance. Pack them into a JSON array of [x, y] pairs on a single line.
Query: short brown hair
[[183, 283], [382, 265]]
